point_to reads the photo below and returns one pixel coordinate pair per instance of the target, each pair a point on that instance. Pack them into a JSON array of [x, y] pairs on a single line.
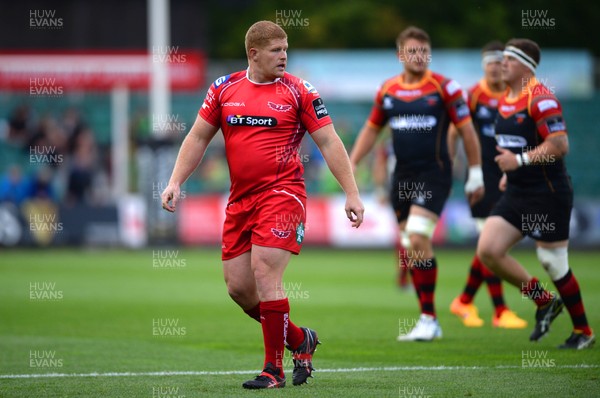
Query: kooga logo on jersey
[[243, 120]]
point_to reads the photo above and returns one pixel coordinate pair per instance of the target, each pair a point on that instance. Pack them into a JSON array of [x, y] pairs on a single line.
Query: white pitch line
[[242, 372]]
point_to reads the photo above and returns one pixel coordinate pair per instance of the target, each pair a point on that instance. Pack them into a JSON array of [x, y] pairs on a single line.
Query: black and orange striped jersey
[[523, 124], [419, 115], [483, 104]]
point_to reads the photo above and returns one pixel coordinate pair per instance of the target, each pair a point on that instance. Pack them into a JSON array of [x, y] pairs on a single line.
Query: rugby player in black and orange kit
[[532, 142], [419, 106], [483, 100]]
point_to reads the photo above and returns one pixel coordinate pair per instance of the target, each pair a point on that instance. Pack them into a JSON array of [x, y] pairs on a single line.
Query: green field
[[97, 317]]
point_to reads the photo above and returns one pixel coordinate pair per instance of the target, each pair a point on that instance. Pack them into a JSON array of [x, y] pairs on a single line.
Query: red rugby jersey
[[263, 125]]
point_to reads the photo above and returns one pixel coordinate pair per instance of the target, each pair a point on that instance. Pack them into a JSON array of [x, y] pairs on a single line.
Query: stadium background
[[68, 195]]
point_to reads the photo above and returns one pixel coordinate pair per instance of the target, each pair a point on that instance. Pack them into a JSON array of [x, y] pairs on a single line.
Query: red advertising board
[[201, 219], [85, 70]]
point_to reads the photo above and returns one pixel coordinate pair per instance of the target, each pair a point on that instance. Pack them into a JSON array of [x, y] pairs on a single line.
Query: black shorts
[[541, 216], [428, 189], [483, 208]]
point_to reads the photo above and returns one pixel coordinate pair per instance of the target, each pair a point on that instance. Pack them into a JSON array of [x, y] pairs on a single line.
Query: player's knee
[[555, 261], [421, 225], [420, 230], [236, 291], [419, 244], [489, 255], [239, 290]]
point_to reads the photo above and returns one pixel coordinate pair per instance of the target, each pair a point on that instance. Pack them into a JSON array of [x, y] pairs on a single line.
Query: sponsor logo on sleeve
[[547, 104], [221, 80], [462, 110], [555, 125], [279, 107], [452, 87], [309, 87], [319, 108], [251, 121]]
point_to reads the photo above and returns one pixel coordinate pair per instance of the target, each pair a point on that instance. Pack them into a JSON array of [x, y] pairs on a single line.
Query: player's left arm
[[474, 186], [452, 140], [453, 134], [335, 155], [547, 114], [556, 146], [471, 143], [460, 116]]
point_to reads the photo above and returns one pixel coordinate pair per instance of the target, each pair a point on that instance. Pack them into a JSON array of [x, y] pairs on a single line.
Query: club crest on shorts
[[280, 234], [300, 233]]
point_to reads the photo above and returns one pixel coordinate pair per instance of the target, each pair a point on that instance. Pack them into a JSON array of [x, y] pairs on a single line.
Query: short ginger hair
[[261, 33]]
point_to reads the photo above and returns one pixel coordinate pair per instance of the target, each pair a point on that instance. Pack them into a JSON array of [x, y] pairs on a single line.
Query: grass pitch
[[112, 323]]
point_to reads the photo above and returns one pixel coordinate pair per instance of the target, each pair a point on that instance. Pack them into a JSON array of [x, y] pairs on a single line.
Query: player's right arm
[[190, 154], [453, 134], [460, 116]]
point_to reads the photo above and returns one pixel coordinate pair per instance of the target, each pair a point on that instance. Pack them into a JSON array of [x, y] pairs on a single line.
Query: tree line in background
[[376, 24]]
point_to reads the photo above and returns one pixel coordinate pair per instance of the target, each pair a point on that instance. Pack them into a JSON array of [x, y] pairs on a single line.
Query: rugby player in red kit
[[263, 113]]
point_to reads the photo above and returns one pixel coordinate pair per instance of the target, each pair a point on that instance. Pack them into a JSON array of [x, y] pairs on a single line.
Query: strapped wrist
[[519, 160]]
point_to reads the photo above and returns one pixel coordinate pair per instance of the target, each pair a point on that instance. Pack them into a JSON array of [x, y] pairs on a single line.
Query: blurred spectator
[[71, 121], [4, 129], [14, 186], [83, 162], [19, 122], [41, 186], [67, 151], [49, 137]]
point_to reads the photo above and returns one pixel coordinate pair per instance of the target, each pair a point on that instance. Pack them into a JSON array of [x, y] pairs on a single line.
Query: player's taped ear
[[555, 261], [420, 225]]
